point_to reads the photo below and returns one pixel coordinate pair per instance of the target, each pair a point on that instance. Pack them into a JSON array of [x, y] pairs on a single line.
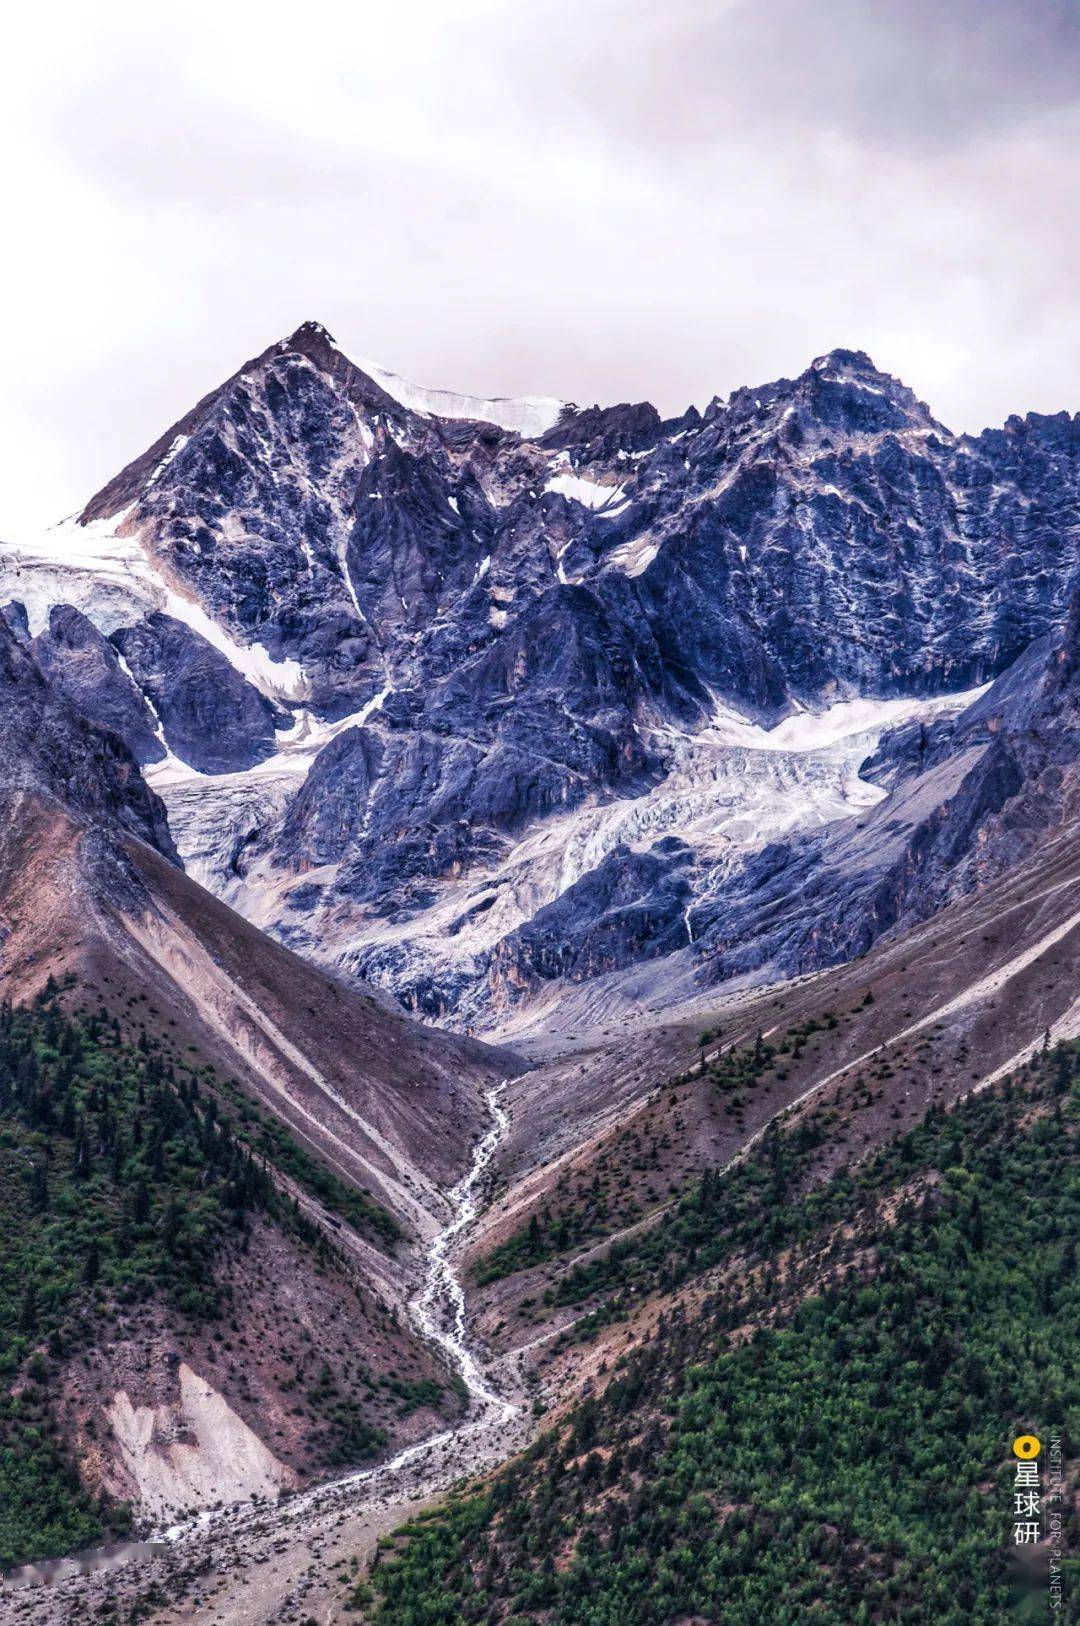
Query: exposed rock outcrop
[[503, 619]]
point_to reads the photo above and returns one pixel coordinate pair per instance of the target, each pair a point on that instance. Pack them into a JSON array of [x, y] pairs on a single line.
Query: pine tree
[[39, 1188], [28, 1309]]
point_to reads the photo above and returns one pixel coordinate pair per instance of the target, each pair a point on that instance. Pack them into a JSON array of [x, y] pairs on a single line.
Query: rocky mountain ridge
[[469, 710]]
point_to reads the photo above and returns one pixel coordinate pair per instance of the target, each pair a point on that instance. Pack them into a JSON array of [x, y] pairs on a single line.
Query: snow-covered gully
[[494, 1425]]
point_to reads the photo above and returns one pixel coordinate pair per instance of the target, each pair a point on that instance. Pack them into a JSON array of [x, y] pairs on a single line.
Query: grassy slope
[[576, 1215], [822, 1438]]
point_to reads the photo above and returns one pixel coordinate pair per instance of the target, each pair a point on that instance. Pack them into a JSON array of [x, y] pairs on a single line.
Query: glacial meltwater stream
[[483, 1438], [442, 1290]]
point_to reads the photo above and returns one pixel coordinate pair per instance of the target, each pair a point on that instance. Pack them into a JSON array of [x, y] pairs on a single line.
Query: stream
[[442, 1290], [425, 1468]]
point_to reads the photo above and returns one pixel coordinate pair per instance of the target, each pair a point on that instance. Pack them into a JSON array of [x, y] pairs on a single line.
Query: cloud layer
[[595, 200]]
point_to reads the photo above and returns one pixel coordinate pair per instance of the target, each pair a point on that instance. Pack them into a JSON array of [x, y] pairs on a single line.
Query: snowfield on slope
[[730, 788], [112, 581], [527, 415]]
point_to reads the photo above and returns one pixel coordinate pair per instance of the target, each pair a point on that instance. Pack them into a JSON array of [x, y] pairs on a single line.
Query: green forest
[[122, 1175], [824, 1439]]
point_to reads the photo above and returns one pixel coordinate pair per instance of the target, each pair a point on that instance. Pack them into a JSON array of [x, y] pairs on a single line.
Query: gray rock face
[[249, 500], [83, 665], [631, 907], [523, 624], [211, 717], [967, 801], [16, 620], [47, 747], [827, 535]]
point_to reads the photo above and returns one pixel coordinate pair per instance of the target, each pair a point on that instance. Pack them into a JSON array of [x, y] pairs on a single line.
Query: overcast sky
[[594, 200]]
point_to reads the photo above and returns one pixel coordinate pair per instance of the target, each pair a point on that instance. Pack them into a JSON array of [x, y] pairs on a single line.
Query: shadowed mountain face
[[84, 666], [489, 703], [49, 749]]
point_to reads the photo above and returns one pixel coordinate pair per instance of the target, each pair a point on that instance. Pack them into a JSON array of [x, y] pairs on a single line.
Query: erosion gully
[[496, 1423]]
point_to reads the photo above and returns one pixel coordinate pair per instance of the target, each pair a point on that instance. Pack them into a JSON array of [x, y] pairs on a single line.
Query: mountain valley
[[535, 929]]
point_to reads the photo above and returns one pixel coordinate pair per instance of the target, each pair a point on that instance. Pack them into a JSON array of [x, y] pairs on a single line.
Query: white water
[[438, 1312], [429, 1466], [442, 1288]]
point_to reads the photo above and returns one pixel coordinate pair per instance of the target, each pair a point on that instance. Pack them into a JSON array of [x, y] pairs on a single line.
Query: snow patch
[[526, 415], [297, 749], [616, 508], [590, 493], [277, 679], [174, 451], [635, 557], [112, 581], [813, 731]]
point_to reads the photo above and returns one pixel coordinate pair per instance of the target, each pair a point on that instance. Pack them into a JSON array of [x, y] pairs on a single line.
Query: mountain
[[724, 765], [481, 708], [88, 842], [218, 1166], [52, 752]]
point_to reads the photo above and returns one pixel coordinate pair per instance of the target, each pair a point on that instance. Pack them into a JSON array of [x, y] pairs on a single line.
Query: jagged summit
[[437, 631], [308, 331], [528, 416], [855, 360], [855, 368], [563, 423], [841, 390]]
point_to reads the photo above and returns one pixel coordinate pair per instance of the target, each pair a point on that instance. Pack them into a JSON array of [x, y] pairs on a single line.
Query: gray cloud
[[924, 75], [605, 201]]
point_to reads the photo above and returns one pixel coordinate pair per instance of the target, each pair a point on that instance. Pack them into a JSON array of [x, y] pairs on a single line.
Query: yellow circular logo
[[1026, 1446]]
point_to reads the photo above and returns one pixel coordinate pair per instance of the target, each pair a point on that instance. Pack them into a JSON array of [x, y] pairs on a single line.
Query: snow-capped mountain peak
[[529, 416], [409, 639]]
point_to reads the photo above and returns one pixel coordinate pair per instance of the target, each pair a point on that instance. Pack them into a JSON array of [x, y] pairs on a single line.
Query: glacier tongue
[[730, 788], [104, 575]]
